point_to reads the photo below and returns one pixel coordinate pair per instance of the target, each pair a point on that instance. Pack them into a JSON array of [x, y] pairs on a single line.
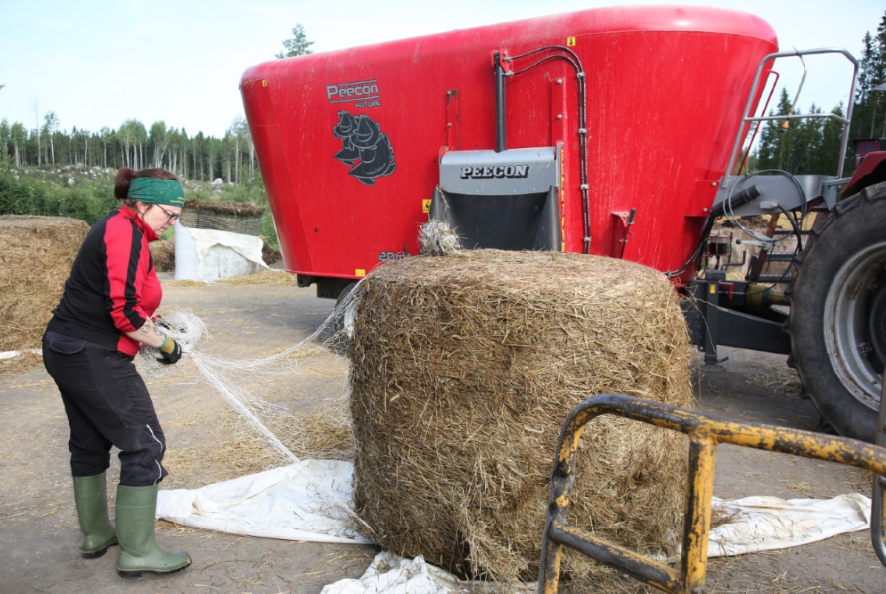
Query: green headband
[[157, 191]]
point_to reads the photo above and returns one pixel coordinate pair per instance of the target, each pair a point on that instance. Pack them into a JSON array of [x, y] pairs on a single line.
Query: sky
[[98, 63]]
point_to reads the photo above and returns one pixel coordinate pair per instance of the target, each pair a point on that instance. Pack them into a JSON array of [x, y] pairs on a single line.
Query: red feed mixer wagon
[[354, 143], [618, 132]]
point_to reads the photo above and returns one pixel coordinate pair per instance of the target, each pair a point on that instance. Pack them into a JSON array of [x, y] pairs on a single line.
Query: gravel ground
[[38, 526]]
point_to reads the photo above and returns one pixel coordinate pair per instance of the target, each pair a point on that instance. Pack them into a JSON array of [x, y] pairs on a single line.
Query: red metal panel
[[665, 91]]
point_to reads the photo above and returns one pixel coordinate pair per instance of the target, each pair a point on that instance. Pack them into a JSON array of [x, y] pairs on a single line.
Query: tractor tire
[[838, 314]]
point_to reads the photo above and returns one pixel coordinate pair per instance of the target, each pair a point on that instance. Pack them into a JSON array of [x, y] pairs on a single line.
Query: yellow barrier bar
[[705, 433]]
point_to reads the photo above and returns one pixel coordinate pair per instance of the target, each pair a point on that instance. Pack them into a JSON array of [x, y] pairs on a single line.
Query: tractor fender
[[871, 171]]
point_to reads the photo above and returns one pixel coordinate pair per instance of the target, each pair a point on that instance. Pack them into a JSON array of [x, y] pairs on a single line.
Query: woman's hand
[[171, 351], [151, 334]]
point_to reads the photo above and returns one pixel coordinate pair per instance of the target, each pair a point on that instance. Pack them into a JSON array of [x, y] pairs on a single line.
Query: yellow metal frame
[[705, 433]]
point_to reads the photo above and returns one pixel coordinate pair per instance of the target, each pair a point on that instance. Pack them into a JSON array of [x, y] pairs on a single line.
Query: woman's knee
[[143, 465]]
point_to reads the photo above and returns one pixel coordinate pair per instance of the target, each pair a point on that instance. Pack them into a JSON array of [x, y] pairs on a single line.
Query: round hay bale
[[237, 217], [465, 367], [163, 254], [269, 254], [36, 254]]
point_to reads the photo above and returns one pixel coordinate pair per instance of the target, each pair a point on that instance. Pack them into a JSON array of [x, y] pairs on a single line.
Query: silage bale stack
[[36, 254], [464, 369]]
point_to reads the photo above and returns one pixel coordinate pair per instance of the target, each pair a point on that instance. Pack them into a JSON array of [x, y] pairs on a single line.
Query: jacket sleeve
[[124, 255]]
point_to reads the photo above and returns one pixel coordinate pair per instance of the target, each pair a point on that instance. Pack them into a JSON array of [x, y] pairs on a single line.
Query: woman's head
[[154, 194]]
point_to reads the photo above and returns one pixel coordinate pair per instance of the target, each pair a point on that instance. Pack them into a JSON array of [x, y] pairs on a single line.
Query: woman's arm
[[148, 334]]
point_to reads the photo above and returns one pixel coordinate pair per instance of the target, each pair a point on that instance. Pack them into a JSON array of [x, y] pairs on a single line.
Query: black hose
[[501, 128], [575, 62]]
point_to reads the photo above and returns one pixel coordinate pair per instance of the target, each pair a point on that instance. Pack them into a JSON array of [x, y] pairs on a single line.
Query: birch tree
[[50, 126], [35, 106]]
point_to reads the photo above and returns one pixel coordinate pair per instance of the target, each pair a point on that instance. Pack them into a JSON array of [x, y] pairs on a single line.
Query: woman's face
[[159, 216]]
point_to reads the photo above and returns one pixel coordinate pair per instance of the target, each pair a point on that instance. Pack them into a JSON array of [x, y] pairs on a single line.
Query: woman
[[104, 316]]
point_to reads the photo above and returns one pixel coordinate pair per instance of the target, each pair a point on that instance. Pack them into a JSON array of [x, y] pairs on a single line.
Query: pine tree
[[878, 121], [863, 111], [828, 154], [776, 139], [297, 45]]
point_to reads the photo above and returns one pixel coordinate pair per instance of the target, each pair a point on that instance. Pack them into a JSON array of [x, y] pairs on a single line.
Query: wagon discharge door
[[505, 200]]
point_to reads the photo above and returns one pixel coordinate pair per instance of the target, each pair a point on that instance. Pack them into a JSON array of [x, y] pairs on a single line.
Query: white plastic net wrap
[[185, 328], [235, 381], [437, 238]]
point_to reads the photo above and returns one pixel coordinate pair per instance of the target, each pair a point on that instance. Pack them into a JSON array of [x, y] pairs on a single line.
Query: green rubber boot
[[139, 552], [91, 499]]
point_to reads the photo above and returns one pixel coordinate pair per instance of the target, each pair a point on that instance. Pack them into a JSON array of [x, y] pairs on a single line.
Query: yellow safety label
[[570, 41], [426, 206], [264, 83], [713, 289], [360, 272]]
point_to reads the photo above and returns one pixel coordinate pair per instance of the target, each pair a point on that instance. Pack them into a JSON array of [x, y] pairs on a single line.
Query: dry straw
[[464, 369], [225, 207], [36, 254], [163, 254]]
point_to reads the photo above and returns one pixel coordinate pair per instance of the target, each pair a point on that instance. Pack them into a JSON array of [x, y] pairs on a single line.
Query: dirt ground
[[38, 526]]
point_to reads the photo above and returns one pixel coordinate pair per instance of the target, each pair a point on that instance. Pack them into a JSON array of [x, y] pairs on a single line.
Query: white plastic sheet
[[283, 503], [279, 503], [13, 354], [767, 523], [392, 574], [209, 255]]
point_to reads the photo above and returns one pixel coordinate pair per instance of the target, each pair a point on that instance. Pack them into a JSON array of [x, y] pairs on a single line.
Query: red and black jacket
[[113, 287]]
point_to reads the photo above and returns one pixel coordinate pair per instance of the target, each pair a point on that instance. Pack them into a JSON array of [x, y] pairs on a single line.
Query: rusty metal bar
[[705, 432], [697, 518], [626, 560]]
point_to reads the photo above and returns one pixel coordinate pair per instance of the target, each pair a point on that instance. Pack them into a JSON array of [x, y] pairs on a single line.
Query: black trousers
[[107, 404]]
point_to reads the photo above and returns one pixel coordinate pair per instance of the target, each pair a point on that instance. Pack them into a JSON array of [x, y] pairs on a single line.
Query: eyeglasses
[[172, 218]]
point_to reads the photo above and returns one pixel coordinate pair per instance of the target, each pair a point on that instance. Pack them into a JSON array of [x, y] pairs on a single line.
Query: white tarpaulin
[[392, 574], [13, 354], [280, 503], [209, 255], [753, 524], [283, 503], [766, 523]]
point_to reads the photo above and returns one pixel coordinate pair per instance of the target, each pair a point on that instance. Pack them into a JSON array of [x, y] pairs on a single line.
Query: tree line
[[198, 157]]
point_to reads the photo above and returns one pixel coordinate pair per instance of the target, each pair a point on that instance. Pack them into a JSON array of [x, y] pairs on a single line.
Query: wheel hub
[[855, 323]]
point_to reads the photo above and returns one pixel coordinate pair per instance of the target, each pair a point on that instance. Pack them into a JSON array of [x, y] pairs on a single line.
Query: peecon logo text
[[363, 93], [495, 172]]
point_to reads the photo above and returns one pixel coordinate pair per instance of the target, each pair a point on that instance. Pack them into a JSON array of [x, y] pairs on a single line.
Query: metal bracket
[[712, 325], [774, 191]]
